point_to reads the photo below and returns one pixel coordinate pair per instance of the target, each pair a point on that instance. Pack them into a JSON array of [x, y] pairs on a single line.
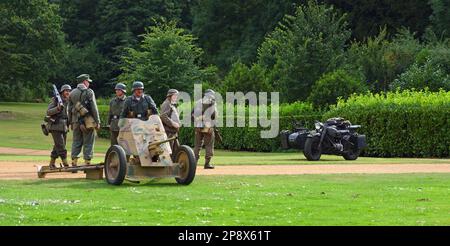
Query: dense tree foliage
[[302, 48], [431, 70], [245, 79], [440, 19], [113, 26], [166, 58], [255, 44], [334, 85], [80, 20], [233, 30], [381, 60], [366, 17], [76, 60], [31, 42], [120, 22]]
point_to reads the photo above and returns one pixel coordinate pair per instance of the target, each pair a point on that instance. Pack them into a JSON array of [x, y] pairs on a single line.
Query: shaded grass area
[[419, 199], [21, 129]]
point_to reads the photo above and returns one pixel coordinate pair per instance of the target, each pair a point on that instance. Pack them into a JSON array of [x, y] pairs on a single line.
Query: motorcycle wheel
[[312, 151], [351, 155]]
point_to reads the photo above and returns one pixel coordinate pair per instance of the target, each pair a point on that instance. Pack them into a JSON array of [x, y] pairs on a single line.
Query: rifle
[[218, 135], [57, 96]]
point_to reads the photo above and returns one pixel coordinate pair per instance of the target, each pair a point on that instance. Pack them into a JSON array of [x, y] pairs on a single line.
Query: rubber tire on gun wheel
[[311, 152], [185, 155], [115, 165]]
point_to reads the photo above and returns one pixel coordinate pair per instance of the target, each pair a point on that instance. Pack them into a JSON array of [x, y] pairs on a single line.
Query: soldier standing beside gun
[[170, 118], [58, 125], [115, 108], [204, 114], [84, 118], [138, 105]]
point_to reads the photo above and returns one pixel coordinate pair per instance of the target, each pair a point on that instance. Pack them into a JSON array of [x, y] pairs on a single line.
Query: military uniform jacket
[[141, 109], [115, 109], [60, 117], [86, 97], [204, 115], [169, 116]]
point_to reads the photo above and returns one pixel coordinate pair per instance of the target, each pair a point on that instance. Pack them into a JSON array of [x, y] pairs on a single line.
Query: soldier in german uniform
[[115, 108], [84, 119], [204, 114], [58, 126], [138, 105], [170, 118]]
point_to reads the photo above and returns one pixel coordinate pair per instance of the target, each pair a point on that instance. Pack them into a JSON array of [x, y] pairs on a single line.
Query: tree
[[87, 59], [31, 42], [381, 60], [166, 58], [113, 26], [80, 20], [245, 79], [302, 48], [431, 69], [334, 85], [120, 22], [367, 17], [423, 76], [440, 19], [231, 31]]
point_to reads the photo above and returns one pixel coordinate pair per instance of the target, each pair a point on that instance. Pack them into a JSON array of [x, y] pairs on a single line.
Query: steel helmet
[[138, 85], [65, 87], [172, 92], [121, 86]]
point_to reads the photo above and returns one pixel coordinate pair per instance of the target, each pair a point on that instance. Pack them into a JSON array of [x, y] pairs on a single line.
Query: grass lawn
[[418, 199], [397, 199], [24, 130]]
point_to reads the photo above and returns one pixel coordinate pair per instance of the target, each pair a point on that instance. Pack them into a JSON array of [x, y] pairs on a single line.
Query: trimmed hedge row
[[401, 124], [246, 138]]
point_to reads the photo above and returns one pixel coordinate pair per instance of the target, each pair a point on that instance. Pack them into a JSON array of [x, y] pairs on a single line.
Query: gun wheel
[[188, 165], [115, 165]]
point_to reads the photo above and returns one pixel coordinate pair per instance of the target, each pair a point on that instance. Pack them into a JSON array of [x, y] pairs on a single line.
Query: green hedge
[[246, 138], [401, 124]]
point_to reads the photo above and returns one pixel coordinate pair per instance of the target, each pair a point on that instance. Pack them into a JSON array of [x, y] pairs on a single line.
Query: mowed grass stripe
[[414, 199]]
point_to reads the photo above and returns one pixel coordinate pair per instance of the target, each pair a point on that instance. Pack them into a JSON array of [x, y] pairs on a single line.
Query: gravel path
[[25, 170]]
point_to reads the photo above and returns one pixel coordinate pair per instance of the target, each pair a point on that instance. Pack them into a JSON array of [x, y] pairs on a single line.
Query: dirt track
[[24, 170], [27, 170]]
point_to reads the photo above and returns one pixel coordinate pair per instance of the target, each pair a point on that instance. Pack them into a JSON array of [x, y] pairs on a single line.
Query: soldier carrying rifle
[[57, 118], [204, 115]]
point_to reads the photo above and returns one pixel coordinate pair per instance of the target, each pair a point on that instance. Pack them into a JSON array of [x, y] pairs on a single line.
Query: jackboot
[[52, 163], [74, 164], [208, 165], [64, 162]]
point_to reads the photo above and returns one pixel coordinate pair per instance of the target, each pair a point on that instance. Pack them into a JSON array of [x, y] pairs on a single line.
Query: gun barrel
[[156, 143]]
